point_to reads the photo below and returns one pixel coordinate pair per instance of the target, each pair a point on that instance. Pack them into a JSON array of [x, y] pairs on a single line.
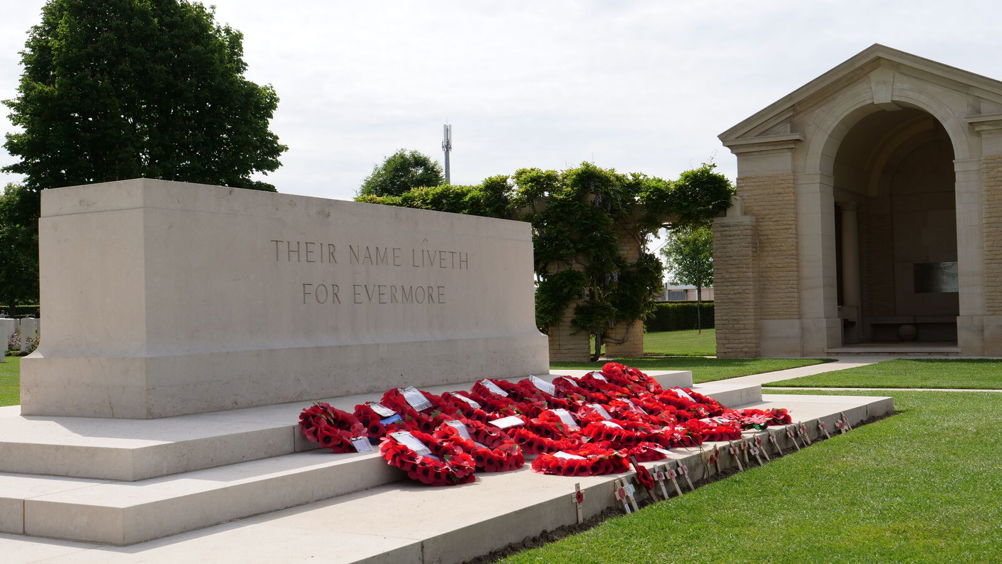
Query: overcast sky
[[641, 86]]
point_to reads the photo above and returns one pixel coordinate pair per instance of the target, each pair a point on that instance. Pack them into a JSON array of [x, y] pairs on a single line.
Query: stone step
[[407, 522], [117, 512], [139, 449]]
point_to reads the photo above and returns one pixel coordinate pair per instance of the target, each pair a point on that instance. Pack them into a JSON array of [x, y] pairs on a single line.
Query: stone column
[[850, 268], [626, 339], [568, 343], [734, 285]]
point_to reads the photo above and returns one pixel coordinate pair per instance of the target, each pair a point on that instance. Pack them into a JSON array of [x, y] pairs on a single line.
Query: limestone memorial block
[[166, 298]]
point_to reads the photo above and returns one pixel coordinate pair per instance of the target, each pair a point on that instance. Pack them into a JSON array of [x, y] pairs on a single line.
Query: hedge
[[676, 316]]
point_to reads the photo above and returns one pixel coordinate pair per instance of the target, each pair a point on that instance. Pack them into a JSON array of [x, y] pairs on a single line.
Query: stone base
[[472, 520], [161, 386]]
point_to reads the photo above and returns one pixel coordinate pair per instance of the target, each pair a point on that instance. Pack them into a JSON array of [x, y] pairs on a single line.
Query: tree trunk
[[598, 348], [699, 310]]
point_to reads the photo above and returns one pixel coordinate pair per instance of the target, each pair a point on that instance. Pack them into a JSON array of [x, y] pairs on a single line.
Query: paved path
[[884, 389], [840, 364]]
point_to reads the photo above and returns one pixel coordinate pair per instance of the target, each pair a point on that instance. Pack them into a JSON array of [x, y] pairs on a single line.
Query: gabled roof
[[862, 63]]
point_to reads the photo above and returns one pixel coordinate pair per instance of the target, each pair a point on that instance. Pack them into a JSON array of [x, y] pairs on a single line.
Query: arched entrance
[[896, 230]]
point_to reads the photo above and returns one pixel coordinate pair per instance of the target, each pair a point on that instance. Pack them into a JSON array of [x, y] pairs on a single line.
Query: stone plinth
[[166, 298]]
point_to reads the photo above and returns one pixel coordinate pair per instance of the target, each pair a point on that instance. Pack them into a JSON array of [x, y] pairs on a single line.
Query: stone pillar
[[850, 269], [992, 178], [568, 343], [734, 285], [626, 339]]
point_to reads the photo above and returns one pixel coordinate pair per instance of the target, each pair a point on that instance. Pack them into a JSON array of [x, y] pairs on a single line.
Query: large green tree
[[116, 89], [688, 255], [18, 241], [400, 172]]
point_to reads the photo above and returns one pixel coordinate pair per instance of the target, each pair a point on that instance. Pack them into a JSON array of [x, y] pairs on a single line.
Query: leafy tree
[[581, 218], [689, 257], [117, 89], [18, 246], [400, 172]]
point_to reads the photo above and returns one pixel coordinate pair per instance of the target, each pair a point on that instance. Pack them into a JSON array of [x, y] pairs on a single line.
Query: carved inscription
[[339, 258]]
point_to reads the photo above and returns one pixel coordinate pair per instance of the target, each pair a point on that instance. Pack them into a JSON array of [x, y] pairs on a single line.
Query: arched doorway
[[896, 230]]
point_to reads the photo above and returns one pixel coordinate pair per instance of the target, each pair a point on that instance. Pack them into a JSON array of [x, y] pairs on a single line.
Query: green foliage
[[119, 89], [18, 246], [689, 255], [400, 172], [679, 316], [580, 217], [915, 487]]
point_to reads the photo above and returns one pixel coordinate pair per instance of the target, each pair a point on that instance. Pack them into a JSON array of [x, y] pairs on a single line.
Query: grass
[[703, 369], [681, 343], [967, 373], [10, 376], [918, 487]]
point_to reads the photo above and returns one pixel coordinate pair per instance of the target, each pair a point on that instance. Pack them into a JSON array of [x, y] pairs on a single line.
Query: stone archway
[[883, 127], [896, 230]]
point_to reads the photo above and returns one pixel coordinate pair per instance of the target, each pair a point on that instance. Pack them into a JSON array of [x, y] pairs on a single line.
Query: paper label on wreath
[[468, 401], [493, 388], [598, 376], [543, 385], [566, 418], [411, 442], [510, 421], [600, 410], [567, 456], [663, 451], [381, 410], [460, 428], [362, 444], [415, 398], [681, 393], [612, 424], [723, 420], [390, 420], [634, 407]]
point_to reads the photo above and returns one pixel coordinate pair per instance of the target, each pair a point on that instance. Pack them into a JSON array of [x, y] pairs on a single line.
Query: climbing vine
[[581, 217]]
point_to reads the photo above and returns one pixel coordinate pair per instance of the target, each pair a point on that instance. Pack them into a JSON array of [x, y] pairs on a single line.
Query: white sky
[[640, 86]]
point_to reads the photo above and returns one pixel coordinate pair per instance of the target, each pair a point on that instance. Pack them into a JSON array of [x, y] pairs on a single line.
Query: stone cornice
[[764, 143], [985, 122]]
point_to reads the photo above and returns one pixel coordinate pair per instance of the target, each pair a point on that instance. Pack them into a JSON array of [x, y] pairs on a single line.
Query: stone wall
[[734, 282], [992, 170], [772, 200]]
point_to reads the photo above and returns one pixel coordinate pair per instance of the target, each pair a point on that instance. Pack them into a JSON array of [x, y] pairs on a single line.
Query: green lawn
[[681, 343], [966, 373], [703, 369], [922, 486], [10, 392]]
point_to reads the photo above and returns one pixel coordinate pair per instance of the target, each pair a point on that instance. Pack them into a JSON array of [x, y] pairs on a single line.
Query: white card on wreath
[[568, 456], [382, 411], [510, 421], [460, 428], [411, 442], [601, 410], [612, 424], [543, 385], [681, 393], [468, 401], [415, 398], [566, 418], [362, 444], [493, 388], [598, 376]]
